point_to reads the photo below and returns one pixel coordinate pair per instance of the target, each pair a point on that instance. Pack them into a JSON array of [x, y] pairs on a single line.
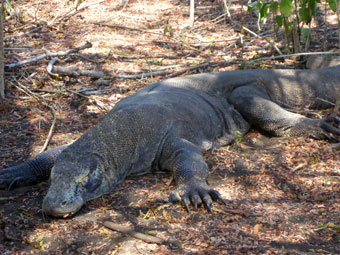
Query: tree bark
[[192, 12], [2, 59]]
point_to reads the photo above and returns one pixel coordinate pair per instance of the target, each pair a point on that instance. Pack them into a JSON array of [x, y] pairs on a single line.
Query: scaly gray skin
[[167, 125]]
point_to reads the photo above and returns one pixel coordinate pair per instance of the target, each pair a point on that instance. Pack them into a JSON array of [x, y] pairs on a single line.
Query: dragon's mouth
[[63, 209], [61, 214]]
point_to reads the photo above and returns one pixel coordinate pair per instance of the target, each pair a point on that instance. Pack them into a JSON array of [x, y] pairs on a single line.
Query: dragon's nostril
[[64, 203]]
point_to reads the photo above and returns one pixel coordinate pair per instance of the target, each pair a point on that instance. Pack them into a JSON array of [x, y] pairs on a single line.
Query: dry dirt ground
[[282, 194]]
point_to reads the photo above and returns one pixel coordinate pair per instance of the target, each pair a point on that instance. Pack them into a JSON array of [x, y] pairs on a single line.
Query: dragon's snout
[[61, 206]]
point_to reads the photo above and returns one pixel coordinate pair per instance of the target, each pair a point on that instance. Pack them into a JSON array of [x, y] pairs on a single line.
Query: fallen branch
[[120, 58], [127, 28], [50, 66], [144, 237], [202, 65], [74, 71], [49, 55], [36, 29], [291, 55]]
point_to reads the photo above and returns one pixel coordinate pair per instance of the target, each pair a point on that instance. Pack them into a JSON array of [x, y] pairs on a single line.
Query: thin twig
[[74, 71], [95, 101], [49, 55], [50, 132], [74, 11], [251, 32], [120, 58], [18, 48], [121, 11], [202, 65], [6, 38], [79, 93], [34, 95], [294, 55], [271, 44], [54, 20], [127, 28]]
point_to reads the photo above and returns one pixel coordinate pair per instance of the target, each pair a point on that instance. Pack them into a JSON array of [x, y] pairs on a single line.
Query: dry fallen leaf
[[256, 229]]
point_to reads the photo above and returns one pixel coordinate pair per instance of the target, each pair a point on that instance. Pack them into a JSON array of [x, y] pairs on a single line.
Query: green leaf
[[279, 20], [312, 6], [264, 12], [238, 134], [9, 4], [333, 4], [275, 6], [252, 6], [286, 7], [304, 14]]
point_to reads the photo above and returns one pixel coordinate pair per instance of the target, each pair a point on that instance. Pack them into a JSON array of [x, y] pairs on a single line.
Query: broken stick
[[144, 237], [49, 55]]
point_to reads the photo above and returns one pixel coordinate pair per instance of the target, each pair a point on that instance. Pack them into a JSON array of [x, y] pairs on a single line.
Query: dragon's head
[[75, 179]]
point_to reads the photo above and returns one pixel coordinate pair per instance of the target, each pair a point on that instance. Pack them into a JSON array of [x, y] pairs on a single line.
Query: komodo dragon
[[168, 124]]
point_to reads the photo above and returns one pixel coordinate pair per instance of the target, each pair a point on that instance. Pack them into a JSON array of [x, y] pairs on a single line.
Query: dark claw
[[196, 200], [315, 137], [327, 136], [195, 193], [207, 202], [335, 120], [329, 128], [186, 201], [215, 195], [174, 197], [13, 182]]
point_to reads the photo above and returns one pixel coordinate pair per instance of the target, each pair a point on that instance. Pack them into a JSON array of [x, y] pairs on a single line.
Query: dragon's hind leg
[[257, 108]]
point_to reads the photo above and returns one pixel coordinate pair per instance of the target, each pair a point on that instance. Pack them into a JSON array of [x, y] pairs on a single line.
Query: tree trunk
[[192, 12], [2, 59]]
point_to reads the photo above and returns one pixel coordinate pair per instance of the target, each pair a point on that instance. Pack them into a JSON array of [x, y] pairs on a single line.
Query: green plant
[[292, 15]]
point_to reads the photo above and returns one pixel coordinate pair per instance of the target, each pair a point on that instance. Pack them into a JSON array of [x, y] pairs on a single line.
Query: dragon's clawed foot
[[324, 129], [196, 193], [319, 129]]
